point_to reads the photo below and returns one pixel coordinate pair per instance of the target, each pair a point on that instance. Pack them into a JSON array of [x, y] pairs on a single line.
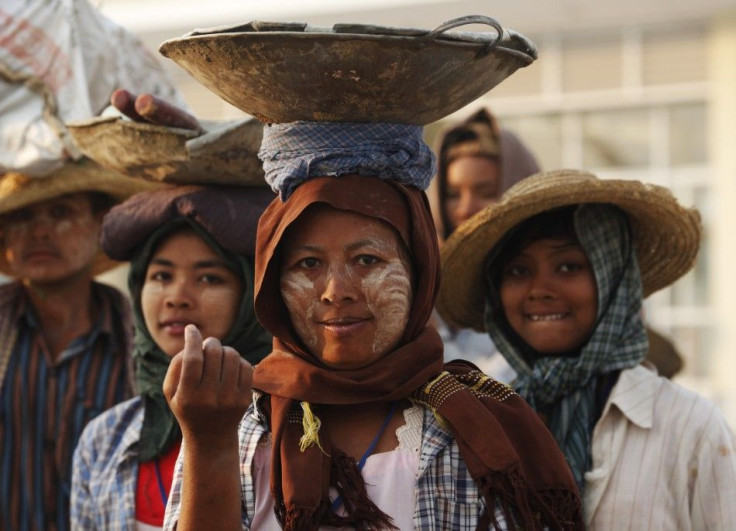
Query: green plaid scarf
[[566, 386]]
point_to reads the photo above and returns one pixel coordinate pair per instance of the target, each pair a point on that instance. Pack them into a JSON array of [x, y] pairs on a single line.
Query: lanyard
[[338, 501], [161, 488]]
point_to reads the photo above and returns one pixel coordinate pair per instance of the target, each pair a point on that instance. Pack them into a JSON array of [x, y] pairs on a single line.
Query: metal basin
[[350, 73]]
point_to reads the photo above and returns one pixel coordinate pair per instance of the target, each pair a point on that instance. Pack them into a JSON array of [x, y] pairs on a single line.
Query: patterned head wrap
[[293, 152]]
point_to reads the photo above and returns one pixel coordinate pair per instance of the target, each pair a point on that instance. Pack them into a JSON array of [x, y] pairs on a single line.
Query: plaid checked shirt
[[105, 470], [446, 495]]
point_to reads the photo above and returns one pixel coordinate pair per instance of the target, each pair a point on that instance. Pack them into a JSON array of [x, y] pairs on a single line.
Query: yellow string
[[311, 425], [441, 420], [427, 388]]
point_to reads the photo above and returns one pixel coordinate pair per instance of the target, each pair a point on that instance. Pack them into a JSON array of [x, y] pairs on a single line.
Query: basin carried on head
[[286, 72]]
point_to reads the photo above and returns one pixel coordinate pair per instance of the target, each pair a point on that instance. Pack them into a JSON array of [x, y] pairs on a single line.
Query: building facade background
[[628, 89]]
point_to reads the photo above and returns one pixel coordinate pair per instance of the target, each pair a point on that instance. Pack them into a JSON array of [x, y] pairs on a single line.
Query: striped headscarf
[[566, 386]]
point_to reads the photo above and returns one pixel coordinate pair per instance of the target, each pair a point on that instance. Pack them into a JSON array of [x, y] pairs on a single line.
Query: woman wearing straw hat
[[191, 255], [356, 422], [476, 162], [64, 338], [556, 273]]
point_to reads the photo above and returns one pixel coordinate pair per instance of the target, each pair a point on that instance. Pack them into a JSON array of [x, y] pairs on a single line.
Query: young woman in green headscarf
[[191, 262]]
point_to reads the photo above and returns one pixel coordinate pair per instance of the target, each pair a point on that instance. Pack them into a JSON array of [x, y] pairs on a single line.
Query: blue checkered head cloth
[[294, 152]]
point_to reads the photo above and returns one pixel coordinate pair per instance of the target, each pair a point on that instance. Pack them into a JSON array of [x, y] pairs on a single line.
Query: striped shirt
[[46, 403], [446, 495], [663, 458]]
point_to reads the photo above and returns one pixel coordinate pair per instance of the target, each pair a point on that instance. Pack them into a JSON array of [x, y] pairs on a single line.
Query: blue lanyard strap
[[161, 488], [338, 501]]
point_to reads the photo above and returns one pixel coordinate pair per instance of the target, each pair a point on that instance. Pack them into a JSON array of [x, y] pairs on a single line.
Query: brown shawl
[[509, 453]]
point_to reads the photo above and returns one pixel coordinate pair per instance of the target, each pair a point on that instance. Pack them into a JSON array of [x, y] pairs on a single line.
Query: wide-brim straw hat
[[666, 235], [18, 190]]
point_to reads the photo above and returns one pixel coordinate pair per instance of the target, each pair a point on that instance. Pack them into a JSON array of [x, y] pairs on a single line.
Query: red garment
[[149, 504]]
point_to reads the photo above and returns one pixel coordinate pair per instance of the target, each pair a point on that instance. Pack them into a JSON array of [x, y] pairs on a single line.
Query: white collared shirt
[[663, 458]]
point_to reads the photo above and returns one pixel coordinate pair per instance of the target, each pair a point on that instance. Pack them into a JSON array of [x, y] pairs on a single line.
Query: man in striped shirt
[[64, 339]]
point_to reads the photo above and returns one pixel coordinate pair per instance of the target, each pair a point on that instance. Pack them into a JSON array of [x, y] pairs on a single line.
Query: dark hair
[[555, 224], [100, 202]]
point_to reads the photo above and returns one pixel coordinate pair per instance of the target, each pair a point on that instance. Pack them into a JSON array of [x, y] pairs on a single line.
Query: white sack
[[60, 60]]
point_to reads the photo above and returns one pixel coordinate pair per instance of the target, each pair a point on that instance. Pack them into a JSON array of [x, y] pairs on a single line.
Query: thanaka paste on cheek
[[72, 241], [301, 299], [151, 305], [388, 294], [64, 226]]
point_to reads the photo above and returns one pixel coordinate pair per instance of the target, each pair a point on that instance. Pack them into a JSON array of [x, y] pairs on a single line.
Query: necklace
[[338, 501], [161, 488]]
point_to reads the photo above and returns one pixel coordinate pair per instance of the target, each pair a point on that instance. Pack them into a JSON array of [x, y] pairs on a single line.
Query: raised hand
[[208, 388]]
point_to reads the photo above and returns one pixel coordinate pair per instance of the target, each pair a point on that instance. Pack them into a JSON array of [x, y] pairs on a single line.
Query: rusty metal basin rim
[[401, 76]]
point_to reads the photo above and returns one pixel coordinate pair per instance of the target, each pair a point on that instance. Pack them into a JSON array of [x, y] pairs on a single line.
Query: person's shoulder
[[680, 406], [114, 420], [111, 293], [675, 395], [115, 302]]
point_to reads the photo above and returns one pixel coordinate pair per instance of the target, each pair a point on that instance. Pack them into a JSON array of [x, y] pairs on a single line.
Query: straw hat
[[666, 235], [18, 190]]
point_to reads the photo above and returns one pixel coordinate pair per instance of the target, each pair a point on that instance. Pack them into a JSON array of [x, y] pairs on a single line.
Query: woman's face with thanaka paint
[[187, 282], [346, 281], [51, 241]]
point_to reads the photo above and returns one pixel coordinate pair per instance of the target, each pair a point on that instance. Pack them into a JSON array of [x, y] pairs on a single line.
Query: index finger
[[192, 358], [124, 101]]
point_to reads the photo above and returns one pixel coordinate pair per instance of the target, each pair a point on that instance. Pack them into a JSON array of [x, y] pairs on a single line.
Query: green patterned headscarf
[[565, 387], [160, 429]]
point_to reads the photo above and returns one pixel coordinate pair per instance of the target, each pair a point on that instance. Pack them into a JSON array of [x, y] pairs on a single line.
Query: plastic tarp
[[60, 60]]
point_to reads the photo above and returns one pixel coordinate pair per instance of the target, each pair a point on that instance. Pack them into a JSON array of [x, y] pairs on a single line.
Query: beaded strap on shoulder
[[436, 392]]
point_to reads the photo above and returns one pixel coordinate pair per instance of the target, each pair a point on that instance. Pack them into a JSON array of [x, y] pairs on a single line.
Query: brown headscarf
[[509, 453]]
